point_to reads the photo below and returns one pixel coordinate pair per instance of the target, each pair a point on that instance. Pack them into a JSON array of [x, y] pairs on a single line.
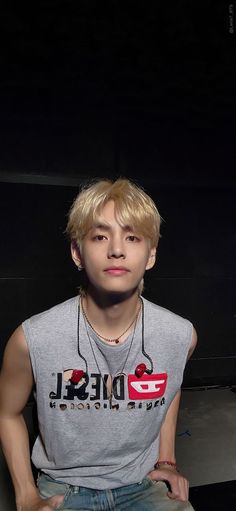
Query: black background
[[144, 90]]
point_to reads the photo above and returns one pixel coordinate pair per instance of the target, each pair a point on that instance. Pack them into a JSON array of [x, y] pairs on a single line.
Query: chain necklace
[[116, 340], [108, 383]]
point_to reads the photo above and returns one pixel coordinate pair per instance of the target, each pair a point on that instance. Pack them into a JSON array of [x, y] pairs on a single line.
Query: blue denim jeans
[[145, 496]]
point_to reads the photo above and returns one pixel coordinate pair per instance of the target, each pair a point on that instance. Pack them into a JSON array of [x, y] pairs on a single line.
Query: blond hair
[[132, 205]]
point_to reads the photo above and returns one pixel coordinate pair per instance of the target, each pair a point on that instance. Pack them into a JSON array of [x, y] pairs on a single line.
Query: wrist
[[165, 464], [25, 496]]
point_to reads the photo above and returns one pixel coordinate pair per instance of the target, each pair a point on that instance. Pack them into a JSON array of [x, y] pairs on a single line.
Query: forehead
[[108, 216], [106, 213]]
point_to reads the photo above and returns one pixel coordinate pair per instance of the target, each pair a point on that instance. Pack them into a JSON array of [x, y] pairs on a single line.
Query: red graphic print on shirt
[[149, 386]]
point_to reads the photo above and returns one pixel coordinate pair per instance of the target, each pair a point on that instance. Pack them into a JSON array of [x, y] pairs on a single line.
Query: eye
[[99, 237], [133, 238]]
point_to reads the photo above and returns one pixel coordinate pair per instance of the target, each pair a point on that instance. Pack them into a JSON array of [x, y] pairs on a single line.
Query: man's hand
[[179, 486], [39, 504]]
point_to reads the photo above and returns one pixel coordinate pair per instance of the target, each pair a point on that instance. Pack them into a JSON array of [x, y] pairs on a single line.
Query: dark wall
[[143, 90]]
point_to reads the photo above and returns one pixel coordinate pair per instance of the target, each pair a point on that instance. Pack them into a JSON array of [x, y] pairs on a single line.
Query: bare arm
[[168, 429], [16, 382], [179, 485]]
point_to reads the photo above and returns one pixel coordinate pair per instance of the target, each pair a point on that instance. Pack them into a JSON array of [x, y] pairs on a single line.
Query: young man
[[107, 368]]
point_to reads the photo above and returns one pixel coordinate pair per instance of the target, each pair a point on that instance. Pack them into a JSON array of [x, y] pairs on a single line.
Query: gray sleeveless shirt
[[86, 438]]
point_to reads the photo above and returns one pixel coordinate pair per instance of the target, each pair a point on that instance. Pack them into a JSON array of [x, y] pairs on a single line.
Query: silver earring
[[79, 268]]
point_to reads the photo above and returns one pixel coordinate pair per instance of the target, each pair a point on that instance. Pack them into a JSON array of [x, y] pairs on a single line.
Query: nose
[[116, 248]]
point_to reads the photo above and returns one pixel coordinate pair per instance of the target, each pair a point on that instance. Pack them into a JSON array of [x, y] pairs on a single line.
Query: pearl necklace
[[116, 340]]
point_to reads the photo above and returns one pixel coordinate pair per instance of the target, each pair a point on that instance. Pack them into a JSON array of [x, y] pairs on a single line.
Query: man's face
[[113, 256]]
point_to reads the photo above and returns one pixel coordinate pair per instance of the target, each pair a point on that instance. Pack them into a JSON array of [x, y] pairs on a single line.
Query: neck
[[110, 317], [109, 299]]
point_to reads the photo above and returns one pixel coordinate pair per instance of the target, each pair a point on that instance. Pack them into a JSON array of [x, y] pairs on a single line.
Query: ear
[[151, 259], [76, 254]]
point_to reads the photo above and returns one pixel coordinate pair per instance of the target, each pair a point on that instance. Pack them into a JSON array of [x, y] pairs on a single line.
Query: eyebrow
[[100, 225], [107, 227]]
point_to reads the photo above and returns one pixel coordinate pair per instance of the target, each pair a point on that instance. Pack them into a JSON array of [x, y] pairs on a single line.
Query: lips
[[116, 270]]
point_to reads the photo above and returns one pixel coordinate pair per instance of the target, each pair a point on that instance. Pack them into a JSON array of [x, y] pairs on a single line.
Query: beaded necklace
[[116, 340]]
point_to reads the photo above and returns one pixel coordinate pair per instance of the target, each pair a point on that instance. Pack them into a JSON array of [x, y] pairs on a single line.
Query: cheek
[[140, 267], [142, 257], [91, 259]]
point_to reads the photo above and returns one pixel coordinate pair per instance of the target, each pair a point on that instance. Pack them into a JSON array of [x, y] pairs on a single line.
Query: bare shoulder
[[16, 373], [193, 343], [16, 350]]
